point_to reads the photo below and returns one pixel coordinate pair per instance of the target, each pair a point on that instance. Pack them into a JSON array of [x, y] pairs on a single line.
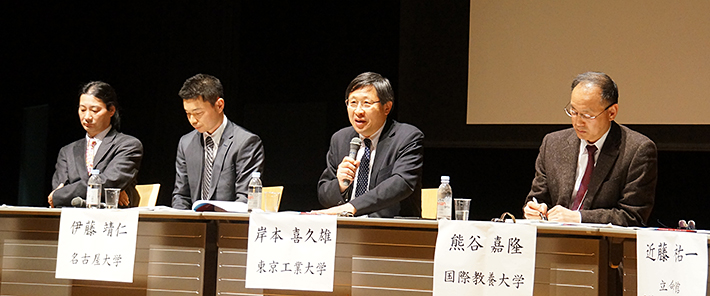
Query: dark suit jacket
[[623, 186], [395, 182], [239, 153], [119, 158]]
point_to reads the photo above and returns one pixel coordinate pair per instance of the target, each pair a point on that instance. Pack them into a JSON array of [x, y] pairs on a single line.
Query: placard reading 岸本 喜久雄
[[294, 252]]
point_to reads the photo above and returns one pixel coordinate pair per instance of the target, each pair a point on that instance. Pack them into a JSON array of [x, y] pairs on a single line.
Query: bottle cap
[[95, 172], [256, 175], [444, 178]]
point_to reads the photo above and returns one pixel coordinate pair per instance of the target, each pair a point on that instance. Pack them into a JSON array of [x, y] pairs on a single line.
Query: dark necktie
[[363, 172], [207, 175], [585, 179]]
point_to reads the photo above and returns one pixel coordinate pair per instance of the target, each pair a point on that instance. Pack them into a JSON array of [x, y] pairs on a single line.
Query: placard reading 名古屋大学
[[97, 244]]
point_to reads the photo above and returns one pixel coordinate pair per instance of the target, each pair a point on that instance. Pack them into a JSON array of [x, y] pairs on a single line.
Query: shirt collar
[[374, 138], [100, 136], [217, 135], [599, 143]]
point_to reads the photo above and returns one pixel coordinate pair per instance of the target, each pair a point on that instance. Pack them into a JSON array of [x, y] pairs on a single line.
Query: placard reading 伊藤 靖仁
[[484, 258], [671, 263], [97, 244], [294, 252]]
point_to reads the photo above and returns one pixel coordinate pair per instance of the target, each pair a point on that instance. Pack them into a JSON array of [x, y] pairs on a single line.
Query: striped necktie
[[209, 160]]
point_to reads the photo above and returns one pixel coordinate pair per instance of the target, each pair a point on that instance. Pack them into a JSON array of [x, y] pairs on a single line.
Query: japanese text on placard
[[671, 263], [294, 252], [484, 258]]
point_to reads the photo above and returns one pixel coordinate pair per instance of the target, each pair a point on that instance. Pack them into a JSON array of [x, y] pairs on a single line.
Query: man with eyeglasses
[[384, 179], [597, 171]]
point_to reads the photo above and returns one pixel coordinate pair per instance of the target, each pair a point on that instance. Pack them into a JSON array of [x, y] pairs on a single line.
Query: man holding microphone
[[384, 178]]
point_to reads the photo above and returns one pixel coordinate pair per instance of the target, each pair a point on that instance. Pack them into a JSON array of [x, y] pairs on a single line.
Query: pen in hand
[[542, 216]]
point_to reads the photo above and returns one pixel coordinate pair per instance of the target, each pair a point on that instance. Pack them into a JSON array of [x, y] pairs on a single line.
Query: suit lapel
[[383, 146], [222, 148], [105, 146], [194, 157], [79, 152], [571, 154], [607, 158]]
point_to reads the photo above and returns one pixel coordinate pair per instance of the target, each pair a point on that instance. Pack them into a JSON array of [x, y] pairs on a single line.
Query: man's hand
[[562, 214], [123, 199], [336, 210], [50, 198], [534, 210], [346, 171]]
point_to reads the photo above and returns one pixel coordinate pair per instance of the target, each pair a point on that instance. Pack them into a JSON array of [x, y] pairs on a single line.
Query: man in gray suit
[[384, 179], [215, 161], [116, 155], [597, 171]]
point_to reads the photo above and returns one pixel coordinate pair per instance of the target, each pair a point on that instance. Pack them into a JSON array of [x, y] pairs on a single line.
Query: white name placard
[[671, 263], [484, 258], [97, 244], [293, 252]]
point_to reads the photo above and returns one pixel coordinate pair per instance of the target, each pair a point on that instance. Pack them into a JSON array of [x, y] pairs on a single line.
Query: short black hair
[[382, 86], [610, 92], [104, 92], [202, 85]]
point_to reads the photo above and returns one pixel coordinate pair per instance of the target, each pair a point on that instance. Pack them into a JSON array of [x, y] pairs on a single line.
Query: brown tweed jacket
[[623, 185]]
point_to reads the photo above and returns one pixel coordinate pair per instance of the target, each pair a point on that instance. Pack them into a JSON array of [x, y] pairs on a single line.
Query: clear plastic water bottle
[[93, 190], [254, 196], [444, 199]]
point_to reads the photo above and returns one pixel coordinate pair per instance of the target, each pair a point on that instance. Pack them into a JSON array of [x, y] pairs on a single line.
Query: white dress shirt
[[99, 138]]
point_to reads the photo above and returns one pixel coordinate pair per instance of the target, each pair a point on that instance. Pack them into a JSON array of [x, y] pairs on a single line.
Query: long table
[[396, 257], [187, 253]]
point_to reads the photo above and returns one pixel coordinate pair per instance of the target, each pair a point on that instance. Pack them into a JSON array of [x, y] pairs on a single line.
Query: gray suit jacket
[[396, 182], [239, 153], [119, 159], [623, 186]]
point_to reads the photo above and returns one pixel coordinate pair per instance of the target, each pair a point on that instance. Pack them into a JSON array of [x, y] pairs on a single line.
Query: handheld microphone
[[354, 147], [78, 202]]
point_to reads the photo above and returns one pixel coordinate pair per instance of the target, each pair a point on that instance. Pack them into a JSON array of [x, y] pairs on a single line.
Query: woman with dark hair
[[116, 155]]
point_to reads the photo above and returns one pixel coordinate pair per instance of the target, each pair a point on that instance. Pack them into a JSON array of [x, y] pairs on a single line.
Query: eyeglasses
[[364, 104], [571, 112]]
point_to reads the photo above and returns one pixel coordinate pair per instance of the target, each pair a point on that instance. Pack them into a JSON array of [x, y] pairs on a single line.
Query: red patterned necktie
[[591, 149], [90, 156]]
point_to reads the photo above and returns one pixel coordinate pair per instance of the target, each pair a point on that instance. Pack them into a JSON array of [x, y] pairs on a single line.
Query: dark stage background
[[284, 66]]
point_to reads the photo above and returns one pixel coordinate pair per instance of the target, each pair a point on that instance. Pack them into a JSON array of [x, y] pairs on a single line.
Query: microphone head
[[355, 142], [78, 202]]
